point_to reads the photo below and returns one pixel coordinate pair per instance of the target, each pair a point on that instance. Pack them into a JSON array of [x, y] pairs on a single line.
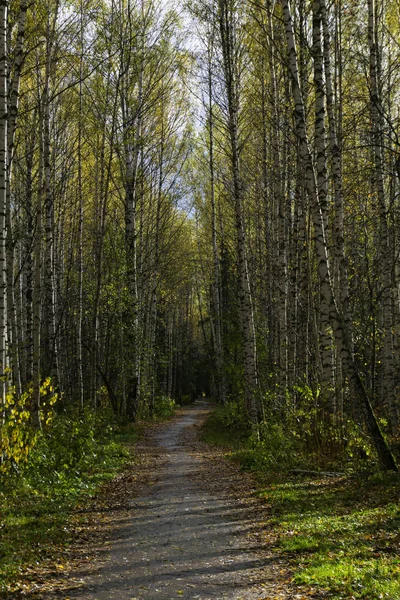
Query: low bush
[[68, 459], [77, 443], [164, 407], [17, 438], [228, 426], [270, 448]]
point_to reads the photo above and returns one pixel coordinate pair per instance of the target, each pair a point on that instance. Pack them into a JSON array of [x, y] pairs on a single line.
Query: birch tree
[[342, 336], [228, 15], [378, 188], [3, 192]]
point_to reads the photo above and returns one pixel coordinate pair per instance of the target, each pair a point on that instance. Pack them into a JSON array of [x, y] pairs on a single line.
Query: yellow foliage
[[17, 438]]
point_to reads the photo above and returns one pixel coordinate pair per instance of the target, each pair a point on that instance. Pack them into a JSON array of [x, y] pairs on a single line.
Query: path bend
[[186, 535]]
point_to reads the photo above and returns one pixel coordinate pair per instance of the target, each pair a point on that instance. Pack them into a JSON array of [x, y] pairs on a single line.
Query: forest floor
[[181, 522]]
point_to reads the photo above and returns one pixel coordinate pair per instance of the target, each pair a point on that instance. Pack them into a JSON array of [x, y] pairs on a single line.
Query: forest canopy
[[202, 199]]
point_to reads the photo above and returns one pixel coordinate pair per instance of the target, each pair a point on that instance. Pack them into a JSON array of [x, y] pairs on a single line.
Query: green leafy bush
[[72, 443], [185, 399], [17, 438], [164, 407], [232, 416], [272, 448], [73, 454], [227, 425]]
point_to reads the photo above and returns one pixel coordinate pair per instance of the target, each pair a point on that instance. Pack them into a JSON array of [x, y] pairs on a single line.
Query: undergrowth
[[339, 534], [227, 426], [71, 457], [47, 473]]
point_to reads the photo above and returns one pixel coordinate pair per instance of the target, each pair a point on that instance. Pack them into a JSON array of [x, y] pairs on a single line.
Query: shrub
[[17, 438], [164, 407], [271, 448], [75, 443], [232, 416], [227, 425]]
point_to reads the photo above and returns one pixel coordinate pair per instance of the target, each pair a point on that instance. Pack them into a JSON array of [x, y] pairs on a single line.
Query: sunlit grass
[[340, 534], [369, 579]]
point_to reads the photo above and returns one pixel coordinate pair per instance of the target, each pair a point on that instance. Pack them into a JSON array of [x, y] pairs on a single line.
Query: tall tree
[[228, 18]]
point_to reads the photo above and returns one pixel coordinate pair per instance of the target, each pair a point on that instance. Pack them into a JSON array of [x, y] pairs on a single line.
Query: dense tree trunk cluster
[[95, 252], [302, 106], [242, 239]]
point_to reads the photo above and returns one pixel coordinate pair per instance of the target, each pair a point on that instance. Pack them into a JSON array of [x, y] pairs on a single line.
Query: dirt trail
[[186, 535]]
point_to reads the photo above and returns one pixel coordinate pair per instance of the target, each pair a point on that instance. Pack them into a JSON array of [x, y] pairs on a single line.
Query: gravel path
[[186, 535]]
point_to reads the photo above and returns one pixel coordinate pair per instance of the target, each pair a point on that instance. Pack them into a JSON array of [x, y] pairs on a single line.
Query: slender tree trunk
[[28, 257], [100, 217], [37, 288], [340, 283], [14, 349], [226, 23], [153, 313], [378, 188], [342, 336], [279, 212], [3, 195], [216, 284], [328, 378], [80, 224], [50, 359], [132, 131]]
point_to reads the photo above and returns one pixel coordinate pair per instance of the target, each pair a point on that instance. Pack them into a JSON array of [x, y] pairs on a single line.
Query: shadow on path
[[183, 538]]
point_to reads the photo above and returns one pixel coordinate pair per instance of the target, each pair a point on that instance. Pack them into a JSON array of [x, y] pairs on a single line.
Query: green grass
[[37, 506], [341, 535]]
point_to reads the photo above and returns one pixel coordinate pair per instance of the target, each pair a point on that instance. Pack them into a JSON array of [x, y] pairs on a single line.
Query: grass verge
[[341, 536], [48, 507]]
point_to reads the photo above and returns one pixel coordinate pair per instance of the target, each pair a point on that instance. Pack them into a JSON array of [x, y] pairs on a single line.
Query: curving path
[[184, 536]]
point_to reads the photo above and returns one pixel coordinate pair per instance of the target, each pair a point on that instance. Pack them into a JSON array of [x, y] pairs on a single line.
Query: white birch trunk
[[378, 186], [3, 195], [279, 169], [340, 278], [132, 131], [28, 259], [14, 350], [326, 341], [342, 336], [37, 288], [79, 340], [216, 284], [244, 292], [50, 357]]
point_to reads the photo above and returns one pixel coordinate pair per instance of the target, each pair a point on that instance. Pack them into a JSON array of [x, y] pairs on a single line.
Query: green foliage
[[319, 432], [322, 440], [271, 448], [71, 457], [297, 435], [185, 399], [74, 444], [232, 416], [227, 425], [164, 407], [17, 438]]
